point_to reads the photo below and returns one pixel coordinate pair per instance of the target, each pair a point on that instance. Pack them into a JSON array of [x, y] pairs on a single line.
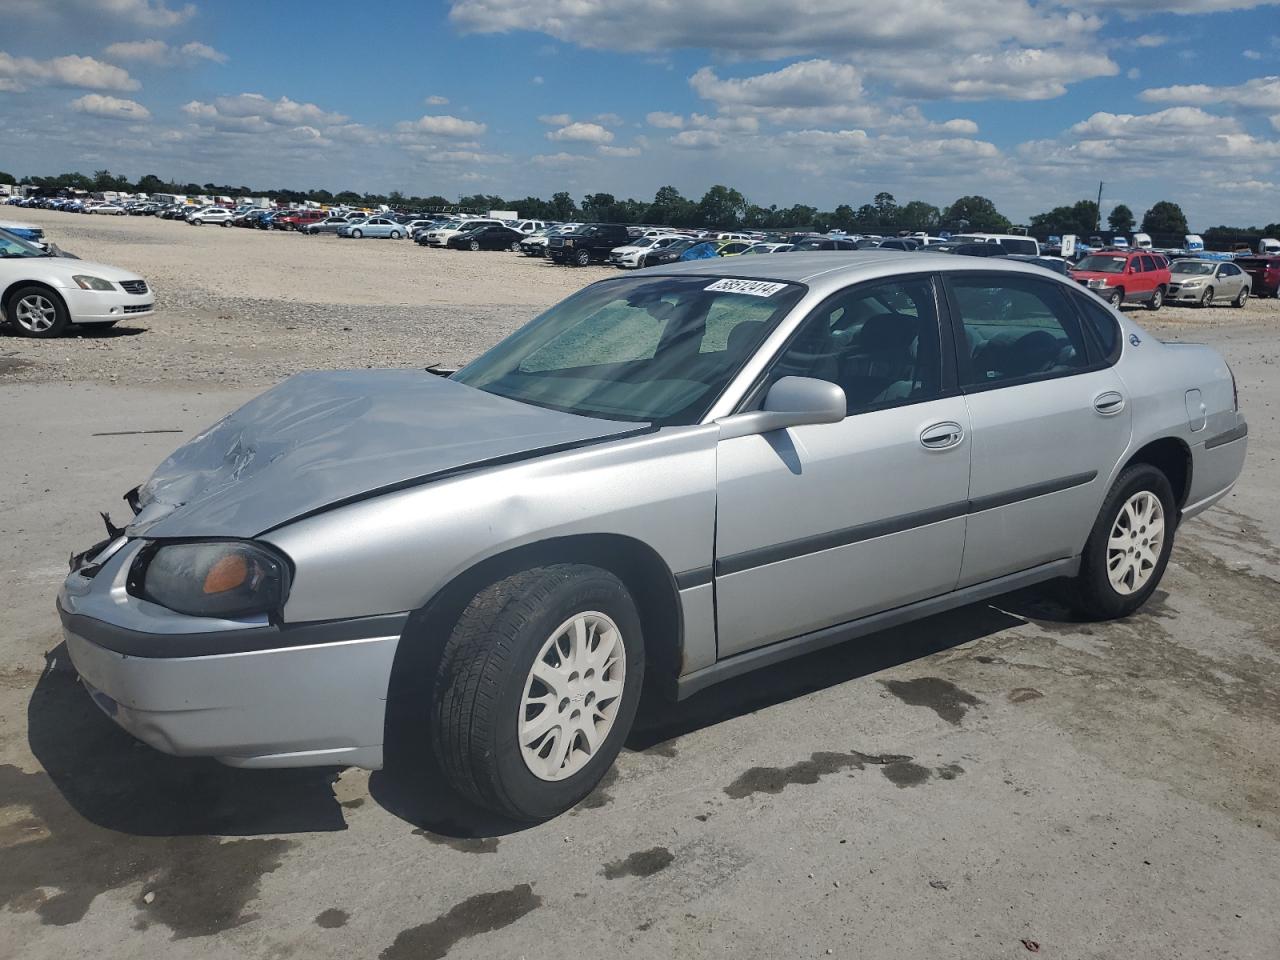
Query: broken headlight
[[228, 578]]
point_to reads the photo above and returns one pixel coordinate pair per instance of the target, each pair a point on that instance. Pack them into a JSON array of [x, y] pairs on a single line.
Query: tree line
[[721, 206]]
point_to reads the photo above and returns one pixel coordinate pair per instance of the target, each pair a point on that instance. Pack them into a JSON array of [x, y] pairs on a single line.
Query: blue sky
[[1029, 102]]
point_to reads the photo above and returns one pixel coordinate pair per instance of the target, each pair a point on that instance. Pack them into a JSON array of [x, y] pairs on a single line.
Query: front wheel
[[357, 234], [1128, 548], [473, 245], [515, 246], [582, 258], [1157, 299], [1206, 300], [38, 312], [1115, 298], [537, 689]]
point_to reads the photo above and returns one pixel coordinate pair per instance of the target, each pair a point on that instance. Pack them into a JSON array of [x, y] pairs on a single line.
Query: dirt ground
[[993, 782]]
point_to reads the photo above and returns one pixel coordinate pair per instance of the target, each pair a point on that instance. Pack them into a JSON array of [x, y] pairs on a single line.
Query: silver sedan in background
[[1206, 282], [378, 227], [677, 476]]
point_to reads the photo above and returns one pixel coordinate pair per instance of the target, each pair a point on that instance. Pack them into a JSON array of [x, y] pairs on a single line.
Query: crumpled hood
[[325, 437]]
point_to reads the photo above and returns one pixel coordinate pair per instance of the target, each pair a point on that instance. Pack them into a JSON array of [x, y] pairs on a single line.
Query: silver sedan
[[378, 227], [677, 476], [1203, 283]]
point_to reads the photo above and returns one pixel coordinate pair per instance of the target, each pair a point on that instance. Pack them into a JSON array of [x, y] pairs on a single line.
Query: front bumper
[[250, 694], [1176, 293], [107, 306]]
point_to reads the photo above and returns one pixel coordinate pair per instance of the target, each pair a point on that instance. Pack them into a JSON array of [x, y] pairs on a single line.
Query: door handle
[[941, 436], [1108, 404]]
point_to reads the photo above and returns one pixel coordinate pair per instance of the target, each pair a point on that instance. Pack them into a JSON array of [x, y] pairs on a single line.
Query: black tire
[[1206, 300], [515, 246], [395, 234], [480, 682], [1116, 297], [357, 234], [225, 223], [1157, 299], [582, 258], [474, 245], [1094, 595], [61, 318], [1241, 298]]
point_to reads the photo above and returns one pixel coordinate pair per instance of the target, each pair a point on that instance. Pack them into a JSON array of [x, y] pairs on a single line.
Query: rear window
[[1020, 246]]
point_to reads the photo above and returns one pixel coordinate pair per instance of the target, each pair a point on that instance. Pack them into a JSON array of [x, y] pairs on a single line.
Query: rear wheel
[[537, 688], [1206, 299], [1241, 297], [38, 312], [395, 234], [1128, 548], [1157, 299]]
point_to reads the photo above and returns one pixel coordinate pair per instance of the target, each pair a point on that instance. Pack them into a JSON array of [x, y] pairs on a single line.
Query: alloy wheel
[[35, 313], [571, 696], [1133, 549]]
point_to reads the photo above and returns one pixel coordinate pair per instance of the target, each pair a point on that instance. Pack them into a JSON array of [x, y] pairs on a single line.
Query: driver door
[[825, 523]]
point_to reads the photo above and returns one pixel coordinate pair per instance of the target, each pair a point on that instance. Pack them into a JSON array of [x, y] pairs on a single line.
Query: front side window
[[877, 341], [648, 349], [1014, 328]]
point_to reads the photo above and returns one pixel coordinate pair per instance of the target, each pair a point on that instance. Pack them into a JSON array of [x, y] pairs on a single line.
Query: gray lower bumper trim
[[1235, 433], [163, 646]]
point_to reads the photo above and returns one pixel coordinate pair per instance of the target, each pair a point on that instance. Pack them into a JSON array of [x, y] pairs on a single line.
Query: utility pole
[[1098, 225]]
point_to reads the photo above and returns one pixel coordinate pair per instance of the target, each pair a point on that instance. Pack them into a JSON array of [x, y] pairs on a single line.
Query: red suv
[[1120, 276], [1264, 272], [298, 219]]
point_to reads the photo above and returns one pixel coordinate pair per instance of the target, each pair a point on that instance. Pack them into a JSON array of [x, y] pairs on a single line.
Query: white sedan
[[41, 294], [112, 208]]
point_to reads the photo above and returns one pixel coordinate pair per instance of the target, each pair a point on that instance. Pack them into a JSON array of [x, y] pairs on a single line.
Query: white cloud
[[146, 13], [1024, 74], [608, 151], [669, 121], [1251, 54], [763, 30], [559, 159], [1133, 73], [581, 133], [18, 73], [537, 81], [1174, 122], [435, 100], [1151, 40], [160, 54], [608, 119], [697, 139], [1260, 93], [442, 126], [254, 111], [555, 119], [114, 108], [806, 84]]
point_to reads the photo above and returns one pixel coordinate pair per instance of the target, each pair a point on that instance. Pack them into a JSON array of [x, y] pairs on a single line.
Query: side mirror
[[791, 402]]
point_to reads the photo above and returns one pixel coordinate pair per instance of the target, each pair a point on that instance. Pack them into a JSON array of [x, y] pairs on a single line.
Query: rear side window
[[1102, 325], [1148, 263], [1015, 329]]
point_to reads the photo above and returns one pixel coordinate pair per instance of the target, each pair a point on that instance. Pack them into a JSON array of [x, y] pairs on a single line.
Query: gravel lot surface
[[989, 783]]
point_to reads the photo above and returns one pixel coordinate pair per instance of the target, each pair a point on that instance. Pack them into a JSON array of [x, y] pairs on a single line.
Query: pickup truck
[[590, 243]]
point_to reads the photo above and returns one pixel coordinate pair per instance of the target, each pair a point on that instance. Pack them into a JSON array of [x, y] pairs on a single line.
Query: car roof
[[838, 268]]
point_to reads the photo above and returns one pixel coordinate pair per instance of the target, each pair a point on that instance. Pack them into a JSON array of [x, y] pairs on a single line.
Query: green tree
[[670, 208], [1165, 217], [150, 183], [886, 210], [979, 213], [722, 206], [563, 205], [7, 178], [1120, 219], [1079, 218], [917, 215]]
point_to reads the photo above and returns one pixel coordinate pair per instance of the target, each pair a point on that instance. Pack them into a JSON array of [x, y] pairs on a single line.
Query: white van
[[1268, 246], [1141, 241]]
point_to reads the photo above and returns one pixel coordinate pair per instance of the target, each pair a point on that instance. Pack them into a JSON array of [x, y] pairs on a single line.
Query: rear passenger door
[[1050, 417]]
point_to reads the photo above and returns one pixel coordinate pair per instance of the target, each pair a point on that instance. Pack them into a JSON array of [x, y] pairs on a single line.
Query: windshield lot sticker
[[752, 288]]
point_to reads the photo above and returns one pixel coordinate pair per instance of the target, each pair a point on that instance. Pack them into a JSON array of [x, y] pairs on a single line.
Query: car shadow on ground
[[119, 783], [96, 331]]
